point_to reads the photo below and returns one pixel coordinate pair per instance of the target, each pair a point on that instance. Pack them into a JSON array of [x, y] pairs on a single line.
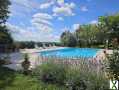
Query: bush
[[112, 65], [51, 72], [26, 64], [85, 76]]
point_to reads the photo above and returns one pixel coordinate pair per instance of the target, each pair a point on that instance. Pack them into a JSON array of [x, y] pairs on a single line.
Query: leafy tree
[[113, 59], [5, 37], [109, 25], [68, 39], [4, 5], [102, 33], [87, 34]]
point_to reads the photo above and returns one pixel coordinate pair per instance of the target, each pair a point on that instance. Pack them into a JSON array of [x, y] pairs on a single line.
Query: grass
[[11, 80]]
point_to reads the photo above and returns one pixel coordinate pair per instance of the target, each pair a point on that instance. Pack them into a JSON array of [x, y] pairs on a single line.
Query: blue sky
[[45, 20]]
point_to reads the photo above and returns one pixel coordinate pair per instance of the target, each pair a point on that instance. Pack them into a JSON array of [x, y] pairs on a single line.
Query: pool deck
[[17, 58], [40, 49]]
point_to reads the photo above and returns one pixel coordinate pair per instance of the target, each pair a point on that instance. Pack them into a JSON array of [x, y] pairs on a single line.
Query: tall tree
[[110, 26], [68, 39], [87, 34], [4, 5], [5, 36]]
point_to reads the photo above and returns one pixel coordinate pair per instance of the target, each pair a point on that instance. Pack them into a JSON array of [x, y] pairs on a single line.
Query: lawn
[[11, 80]]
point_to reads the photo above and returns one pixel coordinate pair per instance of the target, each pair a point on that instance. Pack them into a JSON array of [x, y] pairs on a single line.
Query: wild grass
[[73, 74]]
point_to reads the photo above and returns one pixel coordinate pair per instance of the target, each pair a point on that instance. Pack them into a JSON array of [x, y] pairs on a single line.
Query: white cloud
[[21, 2], [75, 26], [42, 27], [21, 8], [30, 33], [42, 22], [13, 28], [65, 9], [60, 18], [84, 8], [42, 16], [19, 33], [94, 22], [28, 4], [72, 28], [46, 5]]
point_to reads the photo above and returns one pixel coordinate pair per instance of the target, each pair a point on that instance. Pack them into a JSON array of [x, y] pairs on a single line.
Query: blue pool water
[[71, 52]]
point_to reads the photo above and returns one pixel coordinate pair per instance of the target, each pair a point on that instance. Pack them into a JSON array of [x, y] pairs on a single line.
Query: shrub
[[26, 64], [51, 72], [84, 76], [112, 65]]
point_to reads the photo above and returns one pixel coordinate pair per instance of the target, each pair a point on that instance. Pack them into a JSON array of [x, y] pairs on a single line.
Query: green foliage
[[89, 35], [84, 36], [113, 65], [5, 36], [83, 77], [51, 72], [11, 80], [26, 64], [110, 26], [87, 76], [4, 5], [68, 39]]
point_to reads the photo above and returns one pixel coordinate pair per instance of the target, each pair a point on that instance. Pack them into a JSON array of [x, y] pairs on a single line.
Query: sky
[[45, 20]]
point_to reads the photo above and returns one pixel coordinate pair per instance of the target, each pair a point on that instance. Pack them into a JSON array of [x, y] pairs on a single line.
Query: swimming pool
[[71, 52]]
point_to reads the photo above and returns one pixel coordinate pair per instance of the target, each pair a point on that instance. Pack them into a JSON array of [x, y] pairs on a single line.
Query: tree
[[112, 22], [5, 36], [68, 39], [109, 26], [87, 34], [4, 5]]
